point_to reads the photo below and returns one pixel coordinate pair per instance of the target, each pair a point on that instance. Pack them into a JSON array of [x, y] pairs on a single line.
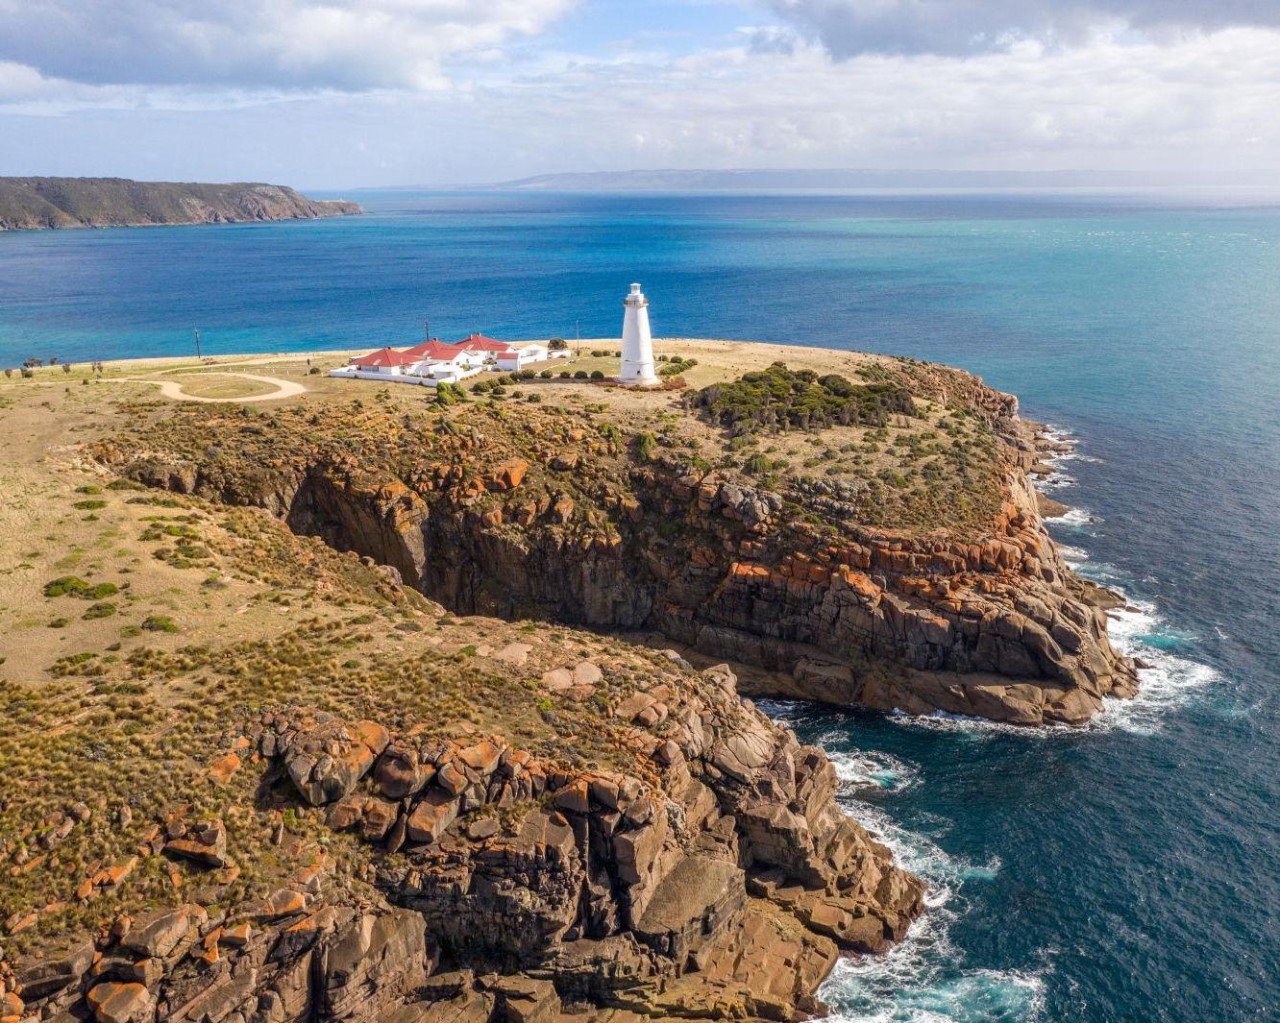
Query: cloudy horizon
[[419, 92]]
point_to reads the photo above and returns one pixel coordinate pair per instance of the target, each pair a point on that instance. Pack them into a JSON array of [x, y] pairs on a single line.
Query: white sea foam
[[871, 769], [1073, 556], [1171, 681], [923, 978], [1075, 518], [971, 727]]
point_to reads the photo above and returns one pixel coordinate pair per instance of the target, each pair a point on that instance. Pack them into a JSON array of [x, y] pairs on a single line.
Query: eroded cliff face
[[994, 625], [714, 878], [518, 514]]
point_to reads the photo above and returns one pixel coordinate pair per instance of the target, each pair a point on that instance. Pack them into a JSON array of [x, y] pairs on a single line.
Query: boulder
[[431, 816], [508, 475], [326, 761], [47, 976], [401, 772], [114, 1002], [159, 933], [205, 844]]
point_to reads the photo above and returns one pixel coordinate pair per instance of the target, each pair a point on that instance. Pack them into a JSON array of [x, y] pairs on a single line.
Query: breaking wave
[[1168, 677], [922, 979]]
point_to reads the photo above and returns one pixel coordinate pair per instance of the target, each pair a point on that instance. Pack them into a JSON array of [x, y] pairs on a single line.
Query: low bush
[[778, 398]]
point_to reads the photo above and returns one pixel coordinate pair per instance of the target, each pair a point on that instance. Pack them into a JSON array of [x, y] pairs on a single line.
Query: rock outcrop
[[713, 877]]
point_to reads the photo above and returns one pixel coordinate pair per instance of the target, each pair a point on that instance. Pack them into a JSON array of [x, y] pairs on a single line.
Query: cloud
[[961, 27], [1194, 101], [1204, 102], [344, 45]]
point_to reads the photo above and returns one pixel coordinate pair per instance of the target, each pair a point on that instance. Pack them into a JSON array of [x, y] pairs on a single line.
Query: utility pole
[[196, 332], [426, 330]]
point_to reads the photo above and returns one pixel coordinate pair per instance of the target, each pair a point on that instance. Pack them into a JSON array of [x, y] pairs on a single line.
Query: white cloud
[[1153, 102], [348, 45], [1198, 100], [957, 27]]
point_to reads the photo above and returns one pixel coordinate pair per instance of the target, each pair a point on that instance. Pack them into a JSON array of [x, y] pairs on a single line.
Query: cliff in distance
[[34, 203]]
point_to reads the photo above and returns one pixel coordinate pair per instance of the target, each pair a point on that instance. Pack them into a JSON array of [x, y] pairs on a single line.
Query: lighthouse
[[637, 342]]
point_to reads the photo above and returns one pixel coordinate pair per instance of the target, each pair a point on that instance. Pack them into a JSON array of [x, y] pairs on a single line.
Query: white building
[[518, 358]]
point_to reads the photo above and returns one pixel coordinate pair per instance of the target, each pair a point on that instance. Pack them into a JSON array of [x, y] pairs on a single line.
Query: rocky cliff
[[713, 877], [514, 512], [32, 203]]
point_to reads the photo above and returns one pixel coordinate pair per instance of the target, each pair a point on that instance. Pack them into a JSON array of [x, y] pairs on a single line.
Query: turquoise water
[[1129, 871]]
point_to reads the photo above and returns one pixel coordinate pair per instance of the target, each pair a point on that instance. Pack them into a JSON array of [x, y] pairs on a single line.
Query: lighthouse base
[[639, 373]]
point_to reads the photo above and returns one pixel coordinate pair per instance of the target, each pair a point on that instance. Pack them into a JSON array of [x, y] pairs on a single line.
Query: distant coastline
[[855, 180], [29, 204]]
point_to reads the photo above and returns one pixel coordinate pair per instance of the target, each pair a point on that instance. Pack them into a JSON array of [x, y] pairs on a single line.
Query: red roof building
[[385, 358], [433, 351], [480, 343]]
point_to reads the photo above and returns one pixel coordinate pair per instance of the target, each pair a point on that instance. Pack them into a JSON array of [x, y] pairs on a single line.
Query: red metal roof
[[433, 349], [385, 357], [480, 343]]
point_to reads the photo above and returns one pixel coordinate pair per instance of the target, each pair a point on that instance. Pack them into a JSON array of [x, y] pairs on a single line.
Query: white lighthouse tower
[[637, 342]]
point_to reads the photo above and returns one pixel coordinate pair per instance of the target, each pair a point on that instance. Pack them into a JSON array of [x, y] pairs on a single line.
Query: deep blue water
[[1129, 871]]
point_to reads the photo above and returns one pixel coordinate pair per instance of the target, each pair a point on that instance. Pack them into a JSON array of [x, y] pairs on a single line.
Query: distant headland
[[39, 203]]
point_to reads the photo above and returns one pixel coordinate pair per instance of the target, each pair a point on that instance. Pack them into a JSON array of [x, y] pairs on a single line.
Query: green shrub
[[646, 446], [102, 609], [92, 504], [159, 623], [66, 584], [580, 374], [778, 398]]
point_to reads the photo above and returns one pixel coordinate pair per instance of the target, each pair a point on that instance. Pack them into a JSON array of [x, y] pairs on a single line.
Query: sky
[[362, 93]]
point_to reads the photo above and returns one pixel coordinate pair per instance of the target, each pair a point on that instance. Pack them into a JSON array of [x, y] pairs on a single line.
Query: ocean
[[1126, 871]]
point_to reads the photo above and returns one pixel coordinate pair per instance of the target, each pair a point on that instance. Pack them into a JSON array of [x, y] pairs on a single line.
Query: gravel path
[[173, 388]]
